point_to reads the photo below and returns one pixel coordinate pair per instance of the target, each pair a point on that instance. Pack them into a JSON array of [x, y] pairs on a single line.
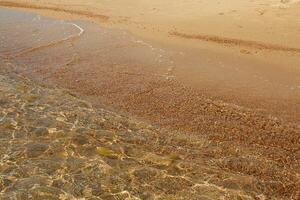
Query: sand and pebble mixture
[[91, 111]]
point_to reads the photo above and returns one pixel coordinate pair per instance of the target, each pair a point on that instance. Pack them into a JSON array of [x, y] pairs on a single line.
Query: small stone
[[106, 153], [158, 160], [36, 149], [7, 125], [230, 184], [3, 102], [40, 132], [46, 122], [31, 97], [79, 139], [146, 175], [49, 193], [21, 88]]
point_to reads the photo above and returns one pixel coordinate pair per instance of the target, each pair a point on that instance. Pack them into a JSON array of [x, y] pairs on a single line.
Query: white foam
[[81, 31]]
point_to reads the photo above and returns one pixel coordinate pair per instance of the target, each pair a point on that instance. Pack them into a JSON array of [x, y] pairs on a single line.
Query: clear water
[[36, 41]]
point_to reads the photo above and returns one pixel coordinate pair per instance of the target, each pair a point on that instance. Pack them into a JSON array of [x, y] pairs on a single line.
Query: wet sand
[[244, 53], [233, 91], [57, 146]]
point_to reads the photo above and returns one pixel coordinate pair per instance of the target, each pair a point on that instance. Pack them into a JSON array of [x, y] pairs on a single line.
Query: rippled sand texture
[[219, 148], [56, 146], [242, 52]]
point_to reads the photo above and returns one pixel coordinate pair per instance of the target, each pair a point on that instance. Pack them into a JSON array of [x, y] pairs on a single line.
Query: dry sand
[[272, 21]]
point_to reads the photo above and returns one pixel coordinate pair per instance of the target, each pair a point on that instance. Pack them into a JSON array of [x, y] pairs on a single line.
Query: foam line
[[81, 31]]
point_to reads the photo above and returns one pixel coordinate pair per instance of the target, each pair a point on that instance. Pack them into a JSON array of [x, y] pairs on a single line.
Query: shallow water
[[36, 40], [112, 64], [21, 32], [78, 151]]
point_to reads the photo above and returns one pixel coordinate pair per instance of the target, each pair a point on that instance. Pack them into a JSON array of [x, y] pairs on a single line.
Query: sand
[[226, 70], [243, 52], [271, 21]]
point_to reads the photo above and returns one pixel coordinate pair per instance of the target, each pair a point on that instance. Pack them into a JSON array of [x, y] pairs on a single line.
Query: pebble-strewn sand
[[212, 89], [241, 52], [57, 146]]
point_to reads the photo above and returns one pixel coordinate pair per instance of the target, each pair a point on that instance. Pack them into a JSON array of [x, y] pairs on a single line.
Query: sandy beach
[[224, 72], [245, 53]]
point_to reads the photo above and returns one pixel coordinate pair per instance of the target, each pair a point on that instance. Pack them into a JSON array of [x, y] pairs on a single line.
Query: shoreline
[[138, 89], [201, 143], [111, 19]]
